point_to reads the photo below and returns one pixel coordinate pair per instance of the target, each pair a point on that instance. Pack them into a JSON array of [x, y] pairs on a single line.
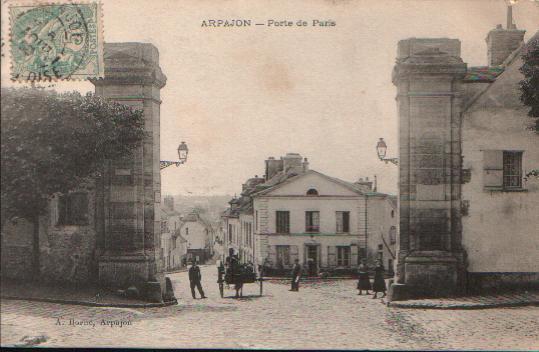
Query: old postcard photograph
[[270, 174]]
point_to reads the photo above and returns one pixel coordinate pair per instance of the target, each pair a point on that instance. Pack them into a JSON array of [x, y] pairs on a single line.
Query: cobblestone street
[[321, 315]]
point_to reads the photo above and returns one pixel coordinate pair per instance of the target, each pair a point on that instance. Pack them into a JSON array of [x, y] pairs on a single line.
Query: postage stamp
[[56, 41]]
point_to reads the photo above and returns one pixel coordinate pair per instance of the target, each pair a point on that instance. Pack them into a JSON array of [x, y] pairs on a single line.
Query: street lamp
[[182, 155], [381, 150]]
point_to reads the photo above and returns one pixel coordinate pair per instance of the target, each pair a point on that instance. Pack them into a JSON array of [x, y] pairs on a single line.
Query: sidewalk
[[84, 296], [511, 299]]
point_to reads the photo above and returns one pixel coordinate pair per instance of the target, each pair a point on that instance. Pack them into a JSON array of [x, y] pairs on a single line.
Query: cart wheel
[[261, 287], [221, 289]]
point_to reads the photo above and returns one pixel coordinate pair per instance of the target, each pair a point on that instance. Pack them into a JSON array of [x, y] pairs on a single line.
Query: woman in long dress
[[363, 282], [379, 284]]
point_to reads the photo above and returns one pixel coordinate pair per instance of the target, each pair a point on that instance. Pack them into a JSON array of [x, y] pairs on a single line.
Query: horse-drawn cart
[[237, 276]]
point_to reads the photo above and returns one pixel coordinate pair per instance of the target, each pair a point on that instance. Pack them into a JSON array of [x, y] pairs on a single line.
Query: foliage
[[54, 142], [529, 86], [532, 173]]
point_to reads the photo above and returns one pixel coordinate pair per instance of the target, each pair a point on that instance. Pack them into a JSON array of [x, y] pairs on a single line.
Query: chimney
[[272, 167], [502, 42], [292, 163], [364, 185], [305, 165]]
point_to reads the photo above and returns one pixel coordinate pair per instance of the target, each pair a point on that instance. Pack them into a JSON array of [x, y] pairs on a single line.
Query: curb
[[464, 306], [280, 278], [93, 304]]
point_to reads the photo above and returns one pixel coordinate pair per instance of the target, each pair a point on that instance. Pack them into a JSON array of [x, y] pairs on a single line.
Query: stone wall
[[16, 257], [67, 252]]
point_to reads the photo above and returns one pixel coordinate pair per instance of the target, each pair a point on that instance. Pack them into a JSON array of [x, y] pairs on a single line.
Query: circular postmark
[[49, 42]]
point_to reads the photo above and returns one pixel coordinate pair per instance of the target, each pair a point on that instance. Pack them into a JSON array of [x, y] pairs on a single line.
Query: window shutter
[[493, 169], [272, 254], [354, 255], [332, 257], [339, 216], [294, 254]]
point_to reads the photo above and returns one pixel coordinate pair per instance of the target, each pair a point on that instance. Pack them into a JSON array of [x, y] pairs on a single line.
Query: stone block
[[168, 295], [132, 292], [153, 292], [431, 275], [412, 46]]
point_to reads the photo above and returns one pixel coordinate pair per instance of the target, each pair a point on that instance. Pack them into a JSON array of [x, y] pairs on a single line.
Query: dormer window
[[312, 192]]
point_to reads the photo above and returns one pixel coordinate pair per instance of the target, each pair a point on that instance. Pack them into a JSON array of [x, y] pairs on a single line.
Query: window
[[312, 221], [512, 170], [283, 255], [343, 256], [502, 170], [282, 221], [73, 209], [343, 221], [229, 233], [392, 235], [312, 192], [392, 213], [187, 231]]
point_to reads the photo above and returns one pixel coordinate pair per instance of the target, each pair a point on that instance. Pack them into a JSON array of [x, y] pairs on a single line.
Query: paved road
[[321, 315]]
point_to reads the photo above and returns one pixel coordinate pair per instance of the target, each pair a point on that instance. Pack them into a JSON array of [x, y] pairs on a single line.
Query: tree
[[53, 143], [529, 86]]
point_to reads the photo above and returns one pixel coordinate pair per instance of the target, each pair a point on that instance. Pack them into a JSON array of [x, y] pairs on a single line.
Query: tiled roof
[[483, 73]]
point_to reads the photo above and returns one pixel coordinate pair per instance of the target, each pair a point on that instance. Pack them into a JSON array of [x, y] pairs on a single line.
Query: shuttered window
[[343, 256], [312, 221], [332, 256], [343, 221], [502, 169], [282, 221]]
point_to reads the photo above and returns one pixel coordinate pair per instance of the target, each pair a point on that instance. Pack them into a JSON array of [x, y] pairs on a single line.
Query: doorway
[[312, 259]]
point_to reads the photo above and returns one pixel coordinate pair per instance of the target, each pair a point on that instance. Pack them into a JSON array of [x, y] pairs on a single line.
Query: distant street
[[320, 315]]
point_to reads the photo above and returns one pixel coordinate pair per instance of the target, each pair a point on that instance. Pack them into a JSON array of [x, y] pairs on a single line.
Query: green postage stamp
[[56, 41]]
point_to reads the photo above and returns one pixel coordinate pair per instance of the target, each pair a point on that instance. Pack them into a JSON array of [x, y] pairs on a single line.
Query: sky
[[239, 95]]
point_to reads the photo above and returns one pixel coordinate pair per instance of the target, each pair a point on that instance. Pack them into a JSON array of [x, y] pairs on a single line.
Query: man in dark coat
[[194, 280], [296, 274]]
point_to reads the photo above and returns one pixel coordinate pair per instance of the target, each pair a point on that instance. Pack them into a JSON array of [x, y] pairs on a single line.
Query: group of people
[[232, 263], [363, 284]]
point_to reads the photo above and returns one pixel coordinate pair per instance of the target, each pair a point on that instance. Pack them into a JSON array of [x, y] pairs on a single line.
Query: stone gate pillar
[[427, 74], [128, 242]]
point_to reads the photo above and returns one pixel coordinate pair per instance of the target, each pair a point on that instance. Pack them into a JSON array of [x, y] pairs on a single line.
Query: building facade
[[329, 225], [466, 208], [173, 245], [198, 233]]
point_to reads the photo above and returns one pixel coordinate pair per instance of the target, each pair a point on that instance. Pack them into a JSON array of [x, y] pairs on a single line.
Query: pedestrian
[[296, 274], [379, 284], [363, 282], [194, 279]]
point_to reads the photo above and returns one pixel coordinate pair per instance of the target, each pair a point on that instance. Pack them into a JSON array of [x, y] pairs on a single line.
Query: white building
[[500, 222], [198, 233], [296, 213], [173, 245]]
